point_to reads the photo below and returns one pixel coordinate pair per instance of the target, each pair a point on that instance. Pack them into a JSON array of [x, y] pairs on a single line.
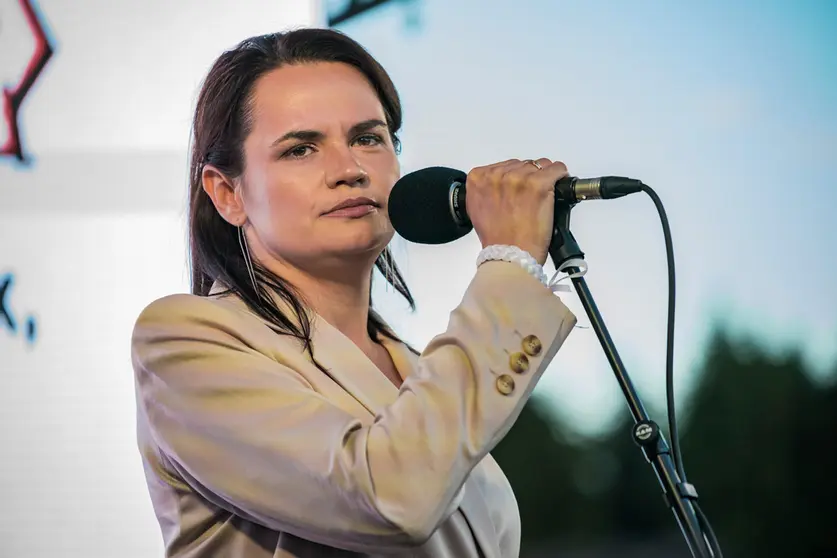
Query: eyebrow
[[315, 135]]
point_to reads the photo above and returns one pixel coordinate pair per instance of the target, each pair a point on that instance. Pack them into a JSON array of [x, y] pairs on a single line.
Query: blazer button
[[532, 345], [519, 362], [505, 384]]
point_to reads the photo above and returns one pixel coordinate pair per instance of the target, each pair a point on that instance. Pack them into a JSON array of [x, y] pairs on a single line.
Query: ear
[[225, 195]]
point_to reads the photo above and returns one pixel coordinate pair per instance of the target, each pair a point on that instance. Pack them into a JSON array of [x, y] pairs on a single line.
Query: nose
[[344, 168]]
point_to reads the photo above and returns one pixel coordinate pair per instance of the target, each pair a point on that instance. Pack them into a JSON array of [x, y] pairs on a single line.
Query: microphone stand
[[646, 433]]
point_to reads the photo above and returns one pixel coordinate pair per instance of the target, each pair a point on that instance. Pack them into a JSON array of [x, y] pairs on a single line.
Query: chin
[[361, 237], [375, 246], [368, 246]]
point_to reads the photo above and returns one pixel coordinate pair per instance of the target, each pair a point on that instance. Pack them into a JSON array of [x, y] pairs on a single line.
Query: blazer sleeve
[[252, 436]]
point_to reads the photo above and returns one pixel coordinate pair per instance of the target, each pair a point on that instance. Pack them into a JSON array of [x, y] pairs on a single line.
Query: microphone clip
[[563, 247]]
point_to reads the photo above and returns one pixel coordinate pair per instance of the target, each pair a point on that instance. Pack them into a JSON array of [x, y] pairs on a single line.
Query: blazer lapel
[[346, 363], [475, 510], [351, 368], [361, 378]]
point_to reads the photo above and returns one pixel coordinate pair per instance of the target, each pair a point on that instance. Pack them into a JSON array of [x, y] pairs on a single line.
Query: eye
[[297, 152], [369, 140]]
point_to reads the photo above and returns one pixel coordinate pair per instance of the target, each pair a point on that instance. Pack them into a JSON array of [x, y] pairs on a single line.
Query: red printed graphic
[[14, 94]]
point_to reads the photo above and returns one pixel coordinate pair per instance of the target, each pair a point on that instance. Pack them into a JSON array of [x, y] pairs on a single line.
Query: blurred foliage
[[759, 442]]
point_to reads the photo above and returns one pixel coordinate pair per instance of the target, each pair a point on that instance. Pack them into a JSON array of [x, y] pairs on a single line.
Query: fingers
[[543, 162], [509, 203], [525, 173], [542, 176], [554, 171]]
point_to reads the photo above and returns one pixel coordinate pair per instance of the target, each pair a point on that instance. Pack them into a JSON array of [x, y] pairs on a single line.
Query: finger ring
[[535, 163]]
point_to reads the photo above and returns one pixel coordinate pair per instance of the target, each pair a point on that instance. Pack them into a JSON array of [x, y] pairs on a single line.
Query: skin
[[286, 188]]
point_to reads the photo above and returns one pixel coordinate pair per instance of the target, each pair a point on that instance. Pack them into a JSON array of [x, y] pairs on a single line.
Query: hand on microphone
[[513, 203]]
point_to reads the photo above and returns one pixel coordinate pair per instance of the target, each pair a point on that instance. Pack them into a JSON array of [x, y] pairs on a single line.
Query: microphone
[[427, 206]]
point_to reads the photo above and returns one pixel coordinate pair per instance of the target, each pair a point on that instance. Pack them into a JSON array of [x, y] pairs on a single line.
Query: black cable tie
[[687, 490]]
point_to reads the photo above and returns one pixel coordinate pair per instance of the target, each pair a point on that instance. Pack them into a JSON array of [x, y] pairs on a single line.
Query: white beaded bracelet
[[515, 255], [524, 259]]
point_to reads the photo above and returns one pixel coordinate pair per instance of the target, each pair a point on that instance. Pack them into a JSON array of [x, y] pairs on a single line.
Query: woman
[[278, 415]]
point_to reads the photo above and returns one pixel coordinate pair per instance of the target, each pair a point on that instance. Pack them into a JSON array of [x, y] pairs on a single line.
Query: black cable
[[672, 417], [709, 534], [706, 528]]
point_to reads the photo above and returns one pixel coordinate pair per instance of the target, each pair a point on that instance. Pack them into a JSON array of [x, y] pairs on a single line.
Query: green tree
[[760, 446], [759, 441]]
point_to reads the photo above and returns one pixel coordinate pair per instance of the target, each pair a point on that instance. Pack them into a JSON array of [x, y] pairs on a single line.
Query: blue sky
[[728, 111]]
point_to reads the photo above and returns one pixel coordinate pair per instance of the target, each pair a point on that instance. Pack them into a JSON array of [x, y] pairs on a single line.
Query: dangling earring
[[389, 270], [248, 261]]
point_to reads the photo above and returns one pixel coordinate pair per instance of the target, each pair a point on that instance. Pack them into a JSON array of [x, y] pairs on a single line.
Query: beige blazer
[[251, 451]]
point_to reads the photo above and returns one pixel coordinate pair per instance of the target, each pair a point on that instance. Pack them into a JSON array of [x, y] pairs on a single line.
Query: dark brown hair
[[223, 119]]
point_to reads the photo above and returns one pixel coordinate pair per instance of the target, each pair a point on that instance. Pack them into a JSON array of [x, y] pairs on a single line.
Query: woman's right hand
[[513, 203]]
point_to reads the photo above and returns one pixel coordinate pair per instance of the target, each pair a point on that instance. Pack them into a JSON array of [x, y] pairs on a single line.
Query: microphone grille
[[420, 209]]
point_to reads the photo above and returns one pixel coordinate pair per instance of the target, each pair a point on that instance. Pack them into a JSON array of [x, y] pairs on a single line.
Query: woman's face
[[319, 137]]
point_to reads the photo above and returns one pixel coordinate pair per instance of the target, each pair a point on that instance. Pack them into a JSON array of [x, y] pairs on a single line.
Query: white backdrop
[[91, 231]]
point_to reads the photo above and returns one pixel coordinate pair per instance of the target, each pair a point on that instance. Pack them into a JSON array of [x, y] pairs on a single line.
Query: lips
[[353, 202]]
